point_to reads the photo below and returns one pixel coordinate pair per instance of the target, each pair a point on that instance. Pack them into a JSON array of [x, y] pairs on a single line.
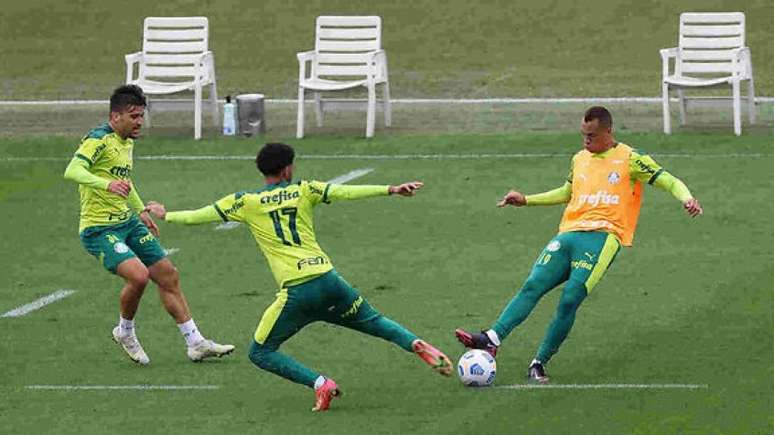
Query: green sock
[[573, 295], [282, 365]]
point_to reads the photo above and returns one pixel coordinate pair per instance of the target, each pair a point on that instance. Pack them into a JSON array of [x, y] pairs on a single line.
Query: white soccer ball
[[476, 368]]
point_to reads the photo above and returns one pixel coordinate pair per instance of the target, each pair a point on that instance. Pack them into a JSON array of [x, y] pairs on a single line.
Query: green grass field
[[689, 304], [459, 49]]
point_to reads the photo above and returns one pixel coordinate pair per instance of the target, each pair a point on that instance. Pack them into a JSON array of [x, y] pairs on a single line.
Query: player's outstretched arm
[[338, 192], [185, 217], [679, 190], [559, 195], [406, 189]]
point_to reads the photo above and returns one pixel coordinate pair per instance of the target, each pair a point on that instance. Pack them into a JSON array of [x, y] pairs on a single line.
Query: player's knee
[[258, 354], [571, 299], [169, 281], [138, 278]]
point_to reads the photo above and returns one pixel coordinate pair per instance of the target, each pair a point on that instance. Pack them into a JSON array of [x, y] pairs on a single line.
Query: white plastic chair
[[347, 54], [711, 53], [175, 58]]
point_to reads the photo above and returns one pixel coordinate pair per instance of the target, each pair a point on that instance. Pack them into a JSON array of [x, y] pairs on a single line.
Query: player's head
[[127, 110], [597, 129], [276, 160]]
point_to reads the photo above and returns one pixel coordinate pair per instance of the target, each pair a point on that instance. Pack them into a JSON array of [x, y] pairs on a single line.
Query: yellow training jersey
[[281, 219], [607, 191], [108, 157]]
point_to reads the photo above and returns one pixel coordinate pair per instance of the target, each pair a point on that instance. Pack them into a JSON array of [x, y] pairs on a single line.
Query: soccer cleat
[[433, 357], [537, 373], [478, 340], [131, 346], [208, 349], [325, 395]]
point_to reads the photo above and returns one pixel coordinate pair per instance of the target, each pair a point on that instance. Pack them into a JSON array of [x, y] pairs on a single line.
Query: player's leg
[[283, 319], [165, 275], [107, 245], [592, 255], [551, 268], [343, 305]]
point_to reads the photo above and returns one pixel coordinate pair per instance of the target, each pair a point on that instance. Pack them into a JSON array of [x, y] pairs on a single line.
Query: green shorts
[[581, 256], [113, 244], [328, 298]]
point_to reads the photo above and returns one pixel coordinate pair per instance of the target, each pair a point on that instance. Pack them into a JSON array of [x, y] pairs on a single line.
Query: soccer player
[[122, 236], [280, 217], [602, 193]]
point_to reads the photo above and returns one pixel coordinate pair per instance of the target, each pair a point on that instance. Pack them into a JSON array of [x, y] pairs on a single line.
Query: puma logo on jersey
[[601, 197]]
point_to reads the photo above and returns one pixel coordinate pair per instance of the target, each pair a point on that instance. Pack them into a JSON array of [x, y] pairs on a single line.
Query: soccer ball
[[476, 368]]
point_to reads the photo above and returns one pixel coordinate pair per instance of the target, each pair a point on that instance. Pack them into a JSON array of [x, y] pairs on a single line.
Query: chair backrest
[[343, 45], [707, 41], [171, 46]]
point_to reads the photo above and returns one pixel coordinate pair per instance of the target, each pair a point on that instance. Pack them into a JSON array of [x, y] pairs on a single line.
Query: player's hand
[[513, 198], [148, 221], [406, 189], [156, 209], [120, 187], [692, 207]]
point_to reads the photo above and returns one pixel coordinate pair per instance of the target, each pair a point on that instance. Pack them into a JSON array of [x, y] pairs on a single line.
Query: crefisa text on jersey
[[280, 197]]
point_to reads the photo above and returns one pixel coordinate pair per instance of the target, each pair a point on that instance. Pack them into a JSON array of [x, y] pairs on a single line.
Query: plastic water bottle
[[229, 117]]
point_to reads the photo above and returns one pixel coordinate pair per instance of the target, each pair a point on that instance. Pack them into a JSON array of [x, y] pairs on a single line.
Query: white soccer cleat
[[208, 349], [132, 347]]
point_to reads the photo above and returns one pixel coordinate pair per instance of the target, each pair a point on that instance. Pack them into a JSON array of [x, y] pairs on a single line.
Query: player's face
[[128, 122], [595, 137]]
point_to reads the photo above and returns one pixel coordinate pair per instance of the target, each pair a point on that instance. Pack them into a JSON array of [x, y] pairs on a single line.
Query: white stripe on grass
[[687, 155], [39, 303], [122, 387], [170, 251], [605, 387], [341, 179]]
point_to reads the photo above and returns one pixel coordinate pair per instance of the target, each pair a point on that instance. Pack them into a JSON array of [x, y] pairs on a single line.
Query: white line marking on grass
[[34, 305], [341, 179], [351, 175], [399, 157], [171, 251], [122, 387], [605, 387], [504, 100], [230, 225]]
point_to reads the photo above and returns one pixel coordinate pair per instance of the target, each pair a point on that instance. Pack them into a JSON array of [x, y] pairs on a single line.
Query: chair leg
[[737, 108], [198, 112], [371, 115], [214, 105], [147, 122], [665, 108], [681, 100], [386, 102], [300, 119], [318, 109], [751, 109]]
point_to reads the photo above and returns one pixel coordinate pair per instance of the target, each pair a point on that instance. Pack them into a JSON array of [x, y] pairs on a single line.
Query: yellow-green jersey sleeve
[[229, 208], [643, 168], [560, 195], [194, 217], [78, 171], [134, 200], [317, 191]]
